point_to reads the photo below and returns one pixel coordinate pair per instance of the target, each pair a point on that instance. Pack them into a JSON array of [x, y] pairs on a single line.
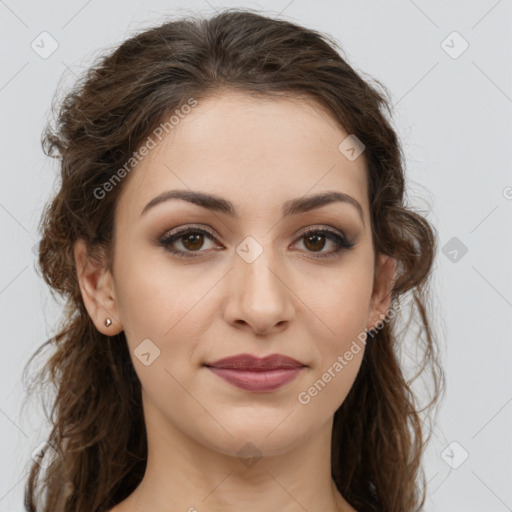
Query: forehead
[[252, 150]]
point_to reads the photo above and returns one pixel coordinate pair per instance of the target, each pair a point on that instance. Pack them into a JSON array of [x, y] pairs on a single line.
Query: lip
[[257, 374]]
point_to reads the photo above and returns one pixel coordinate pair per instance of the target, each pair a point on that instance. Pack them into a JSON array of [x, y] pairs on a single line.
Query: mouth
[[257, 374]]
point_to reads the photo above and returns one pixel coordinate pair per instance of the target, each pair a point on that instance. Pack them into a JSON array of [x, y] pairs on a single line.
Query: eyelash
[[341, 242]]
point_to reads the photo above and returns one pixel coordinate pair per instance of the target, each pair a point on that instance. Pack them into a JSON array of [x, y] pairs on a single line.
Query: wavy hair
[[378, 432]]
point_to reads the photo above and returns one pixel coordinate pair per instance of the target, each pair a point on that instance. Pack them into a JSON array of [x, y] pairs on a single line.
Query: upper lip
[[249, 362]]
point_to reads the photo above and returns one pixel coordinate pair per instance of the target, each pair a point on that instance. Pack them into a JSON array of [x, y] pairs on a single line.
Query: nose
[[259, 298]]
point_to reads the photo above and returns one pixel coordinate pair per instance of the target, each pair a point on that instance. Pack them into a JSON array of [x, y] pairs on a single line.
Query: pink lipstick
[[257, 374]]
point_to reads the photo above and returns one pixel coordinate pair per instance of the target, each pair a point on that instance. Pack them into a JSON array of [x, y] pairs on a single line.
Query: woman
[[232, 239]]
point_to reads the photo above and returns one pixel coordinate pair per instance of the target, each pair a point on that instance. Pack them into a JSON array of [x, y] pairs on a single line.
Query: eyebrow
[[290, 207]]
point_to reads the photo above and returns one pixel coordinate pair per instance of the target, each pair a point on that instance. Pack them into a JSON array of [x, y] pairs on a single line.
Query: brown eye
[[314, 242], [192, 241]]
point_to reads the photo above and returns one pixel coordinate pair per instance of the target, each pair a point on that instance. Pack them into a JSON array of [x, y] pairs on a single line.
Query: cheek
[[341, 304], [157, 298], [330, 385], [173, 315], [339, 332], [339, 352]]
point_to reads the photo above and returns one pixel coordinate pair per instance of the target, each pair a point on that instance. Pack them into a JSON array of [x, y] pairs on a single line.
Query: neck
[[183, 474]]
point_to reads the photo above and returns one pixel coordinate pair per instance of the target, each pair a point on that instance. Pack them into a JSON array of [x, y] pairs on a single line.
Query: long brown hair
[[98, 429]]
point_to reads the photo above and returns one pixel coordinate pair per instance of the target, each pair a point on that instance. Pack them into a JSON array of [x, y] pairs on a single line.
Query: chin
[[262, 439]]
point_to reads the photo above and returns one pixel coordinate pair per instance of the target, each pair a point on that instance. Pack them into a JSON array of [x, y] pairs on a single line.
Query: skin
[[256, 153]]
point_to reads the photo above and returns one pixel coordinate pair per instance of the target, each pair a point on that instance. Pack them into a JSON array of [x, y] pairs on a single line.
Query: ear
[[385, 273], [97, 288]]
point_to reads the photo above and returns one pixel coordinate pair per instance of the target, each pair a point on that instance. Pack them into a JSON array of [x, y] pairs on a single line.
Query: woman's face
[[248, 278]]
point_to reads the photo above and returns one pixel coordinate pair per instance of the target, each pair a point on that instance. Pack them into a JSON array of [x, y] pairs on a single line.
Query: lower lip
[[257, 381]]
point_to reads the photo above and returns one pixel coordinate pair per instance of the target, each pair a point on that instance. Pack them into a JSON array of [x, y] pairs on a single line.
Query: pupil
[[194, 238], [319, 244]]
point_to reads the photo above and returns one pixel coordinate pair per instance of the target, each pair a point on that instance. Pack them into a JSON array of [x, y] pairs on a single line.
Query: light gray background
[[454, 118]]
